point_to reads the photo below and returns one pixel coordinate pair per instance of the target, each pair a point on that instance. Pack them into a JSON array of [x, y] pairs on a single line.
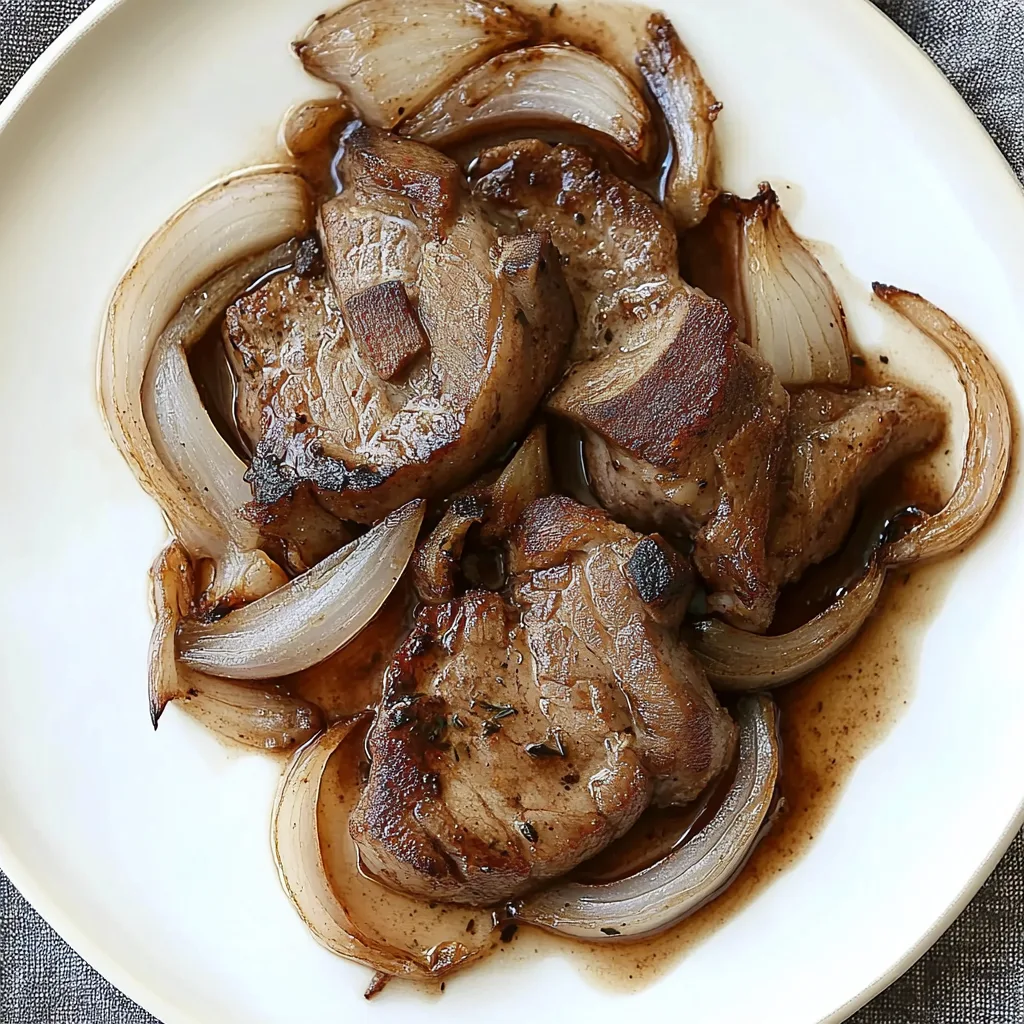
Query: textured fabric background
[[975, 973]]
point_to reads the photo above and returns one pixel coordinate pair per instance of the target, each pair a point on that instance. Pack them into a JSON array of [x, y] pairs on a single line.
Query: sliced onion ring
[[692, 874], [736, 660], [245, 214], [314, 614], [391, 59], [989, 436], [536, 87], [262, 717], [356, 917]]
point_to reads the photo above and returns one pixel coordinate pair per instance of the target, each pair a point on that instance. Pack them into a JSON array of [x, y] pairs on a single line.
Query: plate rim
[[979, 144]]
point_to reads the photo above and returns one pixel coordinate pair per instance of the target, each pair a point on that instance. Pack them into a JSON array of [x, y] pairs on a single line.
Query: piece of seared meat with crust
[[684, 423], [840, 442], [522, 732], [418, 355]]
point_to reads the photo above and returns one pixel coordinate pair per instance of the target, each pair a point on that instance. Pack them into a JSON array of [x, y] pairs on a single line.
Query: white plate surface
[[150, 853]]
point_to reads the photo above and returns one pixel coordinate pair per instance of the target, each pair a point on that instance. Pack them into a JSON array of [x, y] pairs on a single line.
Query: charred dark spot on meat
[[309, 257], [657, 572], [271, 478]]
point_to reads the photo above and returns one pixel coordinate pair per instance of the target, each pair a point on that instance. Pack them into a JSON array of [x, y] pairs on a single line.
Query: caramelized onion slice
[[737, 660], [262, 717], [314, 614], [747, 254], [693, 873], [207, 472], [246, 214], [172, 588], [536, 87], [259, 716], [391, 58], [690, 110], [989, 435], [347, 912]]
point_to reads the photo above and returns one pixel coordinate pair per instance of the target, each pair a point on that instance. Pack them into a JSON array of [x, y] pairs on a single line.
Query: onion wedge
[[989, 436], [736, 660], [262, 717], [249, 213], [746, 254], [347, 912], [690, 110], [692, 874], [258, 716], [536, 87], [313, 615], [391, 59], [208, 472], [172, 589]]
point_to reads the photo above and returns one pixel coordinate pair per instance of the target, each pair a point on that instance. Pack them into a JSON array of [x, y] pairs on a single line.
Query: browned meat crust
[[373, 417], [521, 733], [685, 422], [840, 442]]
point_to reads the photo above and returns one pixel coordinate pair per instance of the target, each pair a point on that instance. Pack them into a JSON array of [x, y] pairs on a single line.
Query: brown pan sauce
[[828, 720]]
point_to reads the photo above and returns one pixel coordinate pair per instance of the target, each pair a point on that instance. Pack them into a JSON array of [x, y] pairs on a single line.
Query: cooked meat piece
[[840, 442], [683, 423], [454, 335], [520, 733], [715, 479], [585, 581], [618, 245]]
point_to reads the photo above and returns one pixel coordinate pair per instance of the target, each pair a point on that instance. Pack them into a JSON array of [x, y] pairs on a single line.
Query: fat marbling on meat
[[420, 354], [522, 731]]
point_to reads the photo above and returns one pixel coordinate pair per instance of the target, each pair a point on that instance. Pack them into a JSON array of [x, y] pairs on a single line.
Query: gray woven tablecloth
[[975, 973]]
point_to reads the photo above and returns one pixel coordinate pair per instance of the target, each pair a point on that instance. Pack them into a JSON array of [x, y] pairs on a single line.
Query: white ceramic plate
[[150, 853]]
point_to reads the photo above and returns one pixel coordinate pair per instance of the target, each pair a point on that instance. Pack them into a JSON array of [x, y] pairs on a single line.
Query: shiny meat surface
[[420, 357], [839, 443], [521, 732], [684, 423]]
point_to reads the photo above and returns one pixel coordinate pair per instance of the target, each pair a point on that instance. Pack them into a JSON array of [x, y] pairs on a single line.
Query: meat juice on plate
[[561, 460]]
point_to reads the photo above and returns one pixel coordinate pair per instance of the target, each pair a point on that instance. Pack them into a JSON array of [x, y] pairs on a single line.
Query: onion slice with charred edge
[[537, 87], [313, 615], [246, 214], [693, 873], [262, 717], [737, 660], [390, 59], [989, 435], [356, 917], [690, 110]]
